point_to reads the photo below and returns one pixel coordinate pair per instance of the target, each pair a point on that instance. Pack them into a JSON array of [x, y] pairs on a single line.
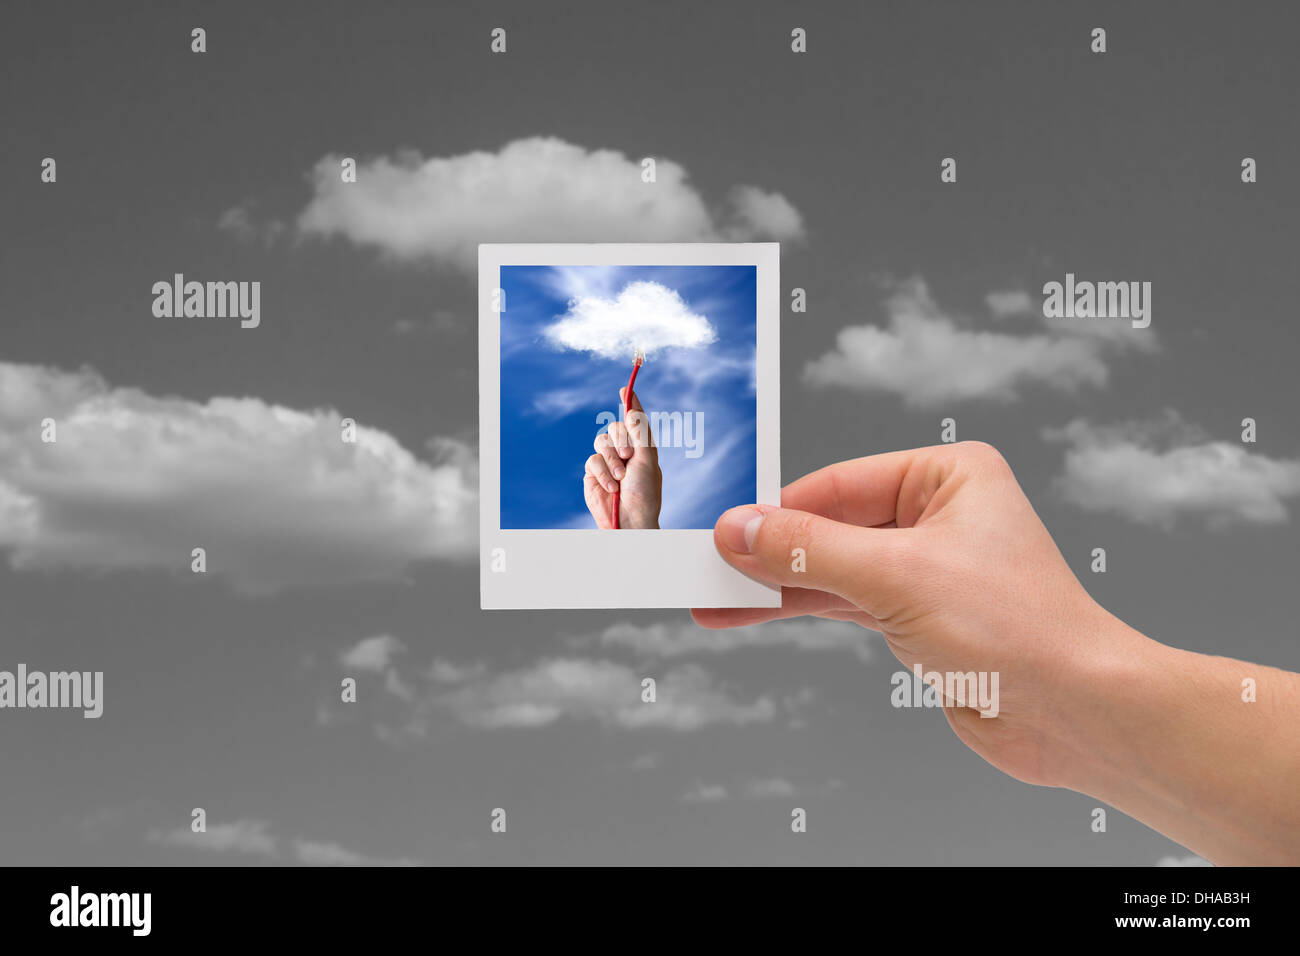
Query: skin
[[940, 550], [625, 461]]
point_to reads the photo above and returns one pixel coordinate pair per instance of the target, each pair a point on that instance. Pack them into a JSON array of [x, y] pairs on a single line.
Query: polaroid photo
[[564, 329]]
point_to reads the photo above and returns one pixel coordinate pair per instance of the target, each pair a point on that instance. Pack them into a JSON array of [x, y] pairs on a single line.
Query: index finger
[[636, 402], [866, 491]]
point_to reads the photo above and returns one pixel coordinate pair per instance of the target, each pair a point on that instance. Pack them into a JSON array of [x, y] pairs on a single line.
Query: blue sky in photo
[[552, 398]]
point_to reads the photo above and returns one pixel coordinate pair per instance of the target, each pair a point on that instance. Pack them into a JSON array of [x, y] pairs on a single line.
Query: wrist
[[1110, 697]]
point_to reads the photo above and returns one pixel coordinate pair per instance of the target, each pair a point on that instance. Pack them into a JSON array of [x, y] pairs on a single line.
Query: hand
[[625, 461], [940, 550]]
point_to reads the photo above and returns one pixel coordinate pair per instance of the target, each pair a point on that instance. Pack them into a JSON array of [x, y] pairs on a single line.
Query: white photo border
[[576, 568]]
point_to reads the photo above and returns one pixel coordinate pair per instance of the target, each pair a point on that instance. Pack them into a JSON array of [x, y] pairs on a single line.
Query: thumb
[[781, 546]]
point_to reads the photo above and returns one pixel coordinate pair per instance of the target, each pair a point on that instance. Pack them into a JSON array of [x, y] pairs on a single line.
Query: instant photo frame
[[629, 568]]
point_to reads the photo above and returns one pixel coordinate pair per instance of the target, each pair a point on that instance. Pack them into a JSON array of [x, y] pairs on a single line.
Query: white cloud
[[762, 214], [643, 314], [705, 793], [1183, 861], [1009, 302], [600, 690], [372, 653], [252, 837], [272, 493], [255, 838], [314, 853], [539, 189], [682, 638], [927, 357], [1155, 472], [770, 787]]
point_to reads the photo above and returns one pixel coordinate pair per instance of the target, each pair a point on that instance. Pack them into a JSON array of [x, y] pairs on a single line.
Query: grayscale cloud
[[539, 189], [927, 356], [273, 494], [1159, 471]]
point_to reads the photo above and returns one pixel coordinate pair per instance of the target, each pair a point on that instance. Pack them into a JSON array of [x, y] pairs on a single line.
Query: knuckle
[[980, 449]]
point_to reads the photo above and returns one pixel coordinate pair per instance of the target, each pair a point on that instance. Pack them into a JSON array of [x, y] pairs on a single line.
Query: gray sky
[[221, 691]]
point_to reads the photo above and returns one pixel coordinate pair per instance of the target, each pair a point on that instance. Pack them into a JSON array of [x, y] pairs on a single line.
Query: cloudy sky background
[[328, 560]]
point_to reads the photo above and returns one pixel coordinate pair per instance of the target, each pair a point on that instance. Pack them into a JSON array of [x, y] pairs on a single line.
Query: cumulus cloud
[[1155, 472], [927, 357], [643, 315], [684, 638], [372, 653], [539, 189], [252, 837], [272, 494]]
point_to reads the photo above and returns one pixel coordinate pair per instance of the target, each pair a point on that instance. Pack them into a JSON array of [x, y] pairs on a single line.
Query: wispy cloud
[[373, 654], [539, 189], [601, 690], [685, 638], [274, 495], [559, 688], [255, 838], [1155, 472], [927, 357], [250, 837], [705, 793]]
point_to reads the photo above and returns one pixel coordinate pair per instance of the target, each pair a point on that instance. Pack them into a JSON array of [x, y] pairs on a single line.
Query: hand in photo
[[625, 462], [939, 550]]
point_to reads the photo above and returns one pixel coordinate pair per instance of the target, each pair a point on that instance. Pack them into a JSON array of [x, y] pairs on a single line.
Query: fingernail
[[618, 472], [738, 527]]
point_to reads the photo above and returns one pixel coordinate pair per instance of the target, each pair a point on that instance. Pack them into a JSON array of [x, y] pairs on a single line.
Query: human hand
[[938, 549], [626, 461]]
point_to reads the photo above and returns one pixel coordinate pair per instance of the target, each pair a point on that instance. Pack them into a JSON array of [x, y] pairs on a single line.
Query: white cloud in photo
[[669, 639], [249, 837], [374, 654], [538, 189], [1158, 471], [273, 494], [928, 357], [644, 315]]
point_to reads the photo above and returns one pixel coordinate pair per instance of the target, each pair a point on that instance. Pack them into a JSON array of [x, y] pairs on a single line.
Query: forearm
[[1168, 739]]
